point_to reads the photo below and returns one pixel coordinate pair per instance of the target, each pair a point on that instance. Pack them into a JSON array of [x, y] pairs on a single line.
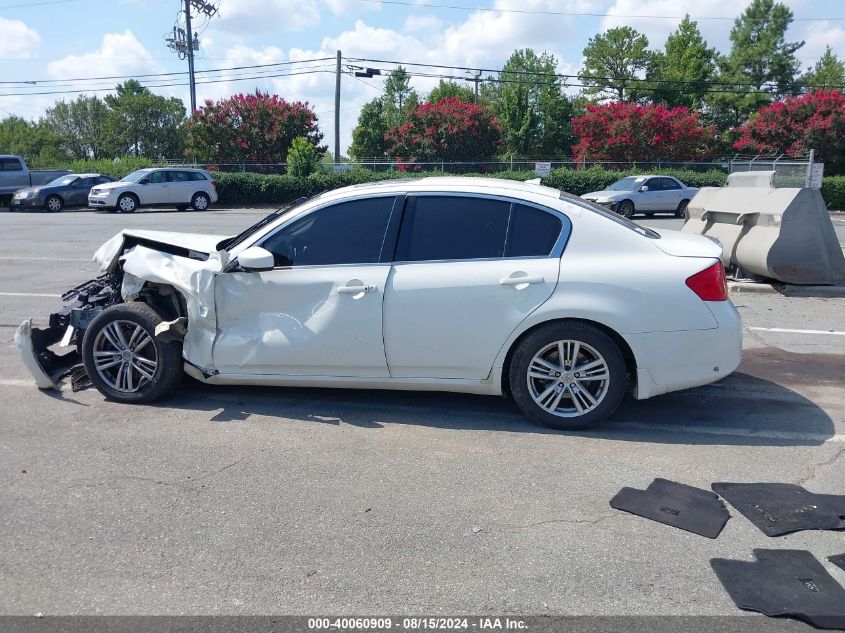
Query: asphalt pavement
[[229, 500]]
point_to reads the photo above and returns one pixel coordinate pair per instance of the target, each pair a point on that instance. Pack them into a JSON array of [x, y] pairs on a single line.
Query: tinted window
[[103, 179], [196, 175], [345, 233], [669, 183], [10, 164], [158, 177], [452, 227], [179, 176], [654, 184], [85, 182], [532, 233]]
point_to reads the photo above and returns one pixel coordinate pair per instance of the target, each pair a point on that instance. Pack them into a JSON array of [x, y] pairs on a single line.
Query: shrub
[[116, 168], [302, 158], [833, 192]]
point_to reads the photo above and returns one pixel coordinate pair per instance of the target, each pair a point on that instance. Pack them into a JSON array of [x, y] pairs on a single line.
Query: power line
[[570, 13], [34, 4]]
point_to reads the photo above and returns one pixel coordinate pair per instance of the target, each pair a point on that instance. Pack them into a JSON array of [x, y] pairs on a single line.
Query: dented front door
[[320, 321]]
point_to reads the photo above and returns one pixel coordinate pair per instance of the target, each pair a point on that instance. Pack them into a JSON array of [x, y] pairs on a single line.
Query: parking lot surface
[[225, 500]]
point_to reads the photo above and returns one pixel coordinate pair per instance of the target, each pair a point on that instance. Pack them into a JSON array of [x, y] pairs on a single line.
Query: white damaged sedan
[[452, 284]]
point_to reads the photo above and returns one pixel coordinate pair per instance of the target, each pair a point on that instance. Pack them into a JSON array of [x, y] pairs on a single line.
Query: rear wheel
[[124, 359], [200, 201], [568, 375], [681, 211], [127, 203], [53, 204], [626, 209]]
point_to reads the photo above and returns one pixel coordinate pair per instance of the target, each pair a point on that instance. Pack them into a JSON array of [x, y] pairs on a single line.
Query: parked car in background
[[65, 191], [645, 194], [473, 285], [179, 187], [14, 175]]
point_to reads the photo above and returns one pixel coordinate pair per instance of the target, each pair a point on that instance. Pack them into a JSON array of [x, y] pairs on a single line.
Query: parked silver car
[[179, 187], [648, 194]]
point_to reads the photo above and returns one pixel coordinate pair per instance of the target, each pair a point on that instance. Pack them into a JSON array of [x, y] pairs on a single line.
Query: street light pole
[[191, 80]]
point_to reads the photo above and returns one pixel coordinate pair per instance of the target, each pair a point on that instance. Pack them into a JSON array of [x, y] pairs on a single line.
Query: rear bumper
[[670, 361]]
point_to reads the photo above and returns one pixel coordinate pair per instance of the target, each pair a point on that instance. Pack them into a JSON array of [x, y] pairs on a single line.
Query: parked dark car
[[65, 191]]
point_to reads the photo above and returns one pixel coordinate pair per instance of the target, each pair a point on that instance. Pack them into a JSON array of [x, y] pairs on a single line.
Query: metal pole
[[337, 110], [190, 56], [809, 176]]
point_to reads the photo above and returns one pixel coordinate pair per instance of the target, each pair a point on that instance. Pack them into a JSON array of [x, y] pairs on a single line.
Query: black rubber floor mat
[[838, 560], [681, 506], [784, 582], [783, 508]]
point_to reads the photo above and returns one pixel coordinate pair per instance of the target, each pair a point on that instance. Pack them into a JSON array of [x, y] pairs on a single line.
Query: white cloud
[[119, 54], [422, 23], [17, 40], [269, 15], [817, 36]]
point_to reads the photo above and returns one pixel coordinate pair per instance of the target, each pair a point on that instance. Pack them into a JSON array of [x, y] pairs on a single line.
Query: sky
[[45, 41]]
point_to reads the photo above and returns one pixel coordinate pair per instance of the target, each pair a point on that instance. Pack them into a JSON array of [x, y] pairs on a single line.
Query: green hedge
[[595, 178], [116, 168], [833, 192]]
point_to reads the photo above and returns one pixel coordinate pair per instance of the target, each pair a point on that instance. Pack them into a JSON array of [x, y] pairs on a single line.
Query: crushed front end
[[65, 330]]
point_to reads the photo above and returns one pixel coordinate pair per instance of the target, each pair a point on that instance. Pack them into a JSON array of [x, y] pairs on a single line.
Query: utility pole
[[476, 78], [190, 56], [337, 109]]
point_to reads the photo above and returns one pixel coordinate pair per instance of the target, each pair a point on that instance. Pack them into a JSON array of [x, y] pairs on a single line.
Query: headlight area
[[66, 329]]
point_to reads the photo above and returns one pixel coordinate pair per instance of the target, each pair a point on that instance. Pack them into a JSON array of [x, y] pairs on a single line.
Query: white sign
[[542, 169], [814, 181]]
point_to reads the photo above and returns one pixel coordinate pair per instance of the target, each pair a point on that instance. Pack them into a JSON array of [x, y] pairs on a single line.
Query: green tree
[[368, 136], [145, 124], [399, 98], [531, 106], [32, 140], [302, 158], [613, 62], [450, 89], [681, 71], [829, 71], [79, 127], [761, 64]]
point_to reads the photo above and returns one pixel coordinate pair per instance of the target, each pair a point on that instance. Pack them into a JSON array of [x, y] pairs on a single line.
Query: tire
[[572, 408], [681, 211], [127, 203], [143, 373], [626, 209], [53, 204], [200, 201]]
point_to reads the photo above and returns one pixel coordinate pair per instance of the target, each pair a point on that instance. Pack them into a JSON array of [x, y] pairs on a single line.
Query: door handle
[[354, 290], [518, 281]]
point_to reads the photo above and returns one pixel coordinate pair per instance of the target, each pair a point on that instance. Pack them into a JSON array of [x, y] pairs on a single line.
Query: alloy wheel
[[125, 356], [54, 204], [568, 378]]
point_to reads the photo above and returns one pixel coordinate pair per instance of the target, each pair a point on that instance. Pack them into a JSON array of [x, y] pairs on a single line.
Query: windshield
[[62, 180], [631, 183], [610, 215], [135, 176], [240, 237]]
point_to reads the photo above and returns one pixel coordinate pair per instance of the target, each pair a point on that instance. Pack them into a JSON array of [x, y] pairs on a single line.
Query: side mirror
[[144, 181], [644, 188], [256, 259]]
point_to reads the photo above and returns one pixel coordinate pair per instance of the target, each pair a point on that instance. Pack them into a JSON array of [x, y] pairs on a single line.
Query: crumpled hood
[[199, 243]]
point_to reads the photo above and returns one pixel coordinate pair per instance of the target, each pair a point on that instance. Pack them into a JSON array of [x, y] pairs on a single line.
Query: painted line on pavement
[[47, 259], [28, 294], [791, 331], [730, 432], [11, 382]]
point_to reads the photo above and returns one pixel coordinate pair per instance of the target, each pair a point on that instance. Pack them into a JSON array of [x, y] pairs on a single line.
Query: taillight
[[214, 184], [710, 284]]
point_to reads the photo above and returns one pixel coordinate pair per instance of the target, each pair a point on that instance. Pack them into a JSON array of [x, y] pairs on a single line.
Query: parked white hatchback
[[172, 187], [455, 284]]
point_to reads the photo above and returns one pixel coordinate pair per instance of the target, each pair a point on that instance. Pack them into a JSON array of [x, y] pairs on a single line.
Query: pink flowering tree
[[622, 132], [448, 130], [250, 128], [798, 124]]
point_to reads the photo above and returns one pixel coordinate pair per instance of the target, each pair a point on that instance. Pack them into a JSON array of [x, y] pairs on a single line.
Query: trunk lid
[[686, 245]]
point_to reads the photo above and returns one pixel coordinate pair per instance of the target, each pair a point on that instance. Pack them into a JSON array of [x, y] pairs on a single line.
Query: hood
[[191, 245], [686, 244], [604, 193], [114, 185], [35, 189]]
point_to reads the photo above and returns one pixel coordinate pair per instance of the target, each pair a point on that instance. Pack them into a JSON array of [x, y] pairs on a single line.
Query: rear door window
[[452, 227], [654, 184], [669, 184]]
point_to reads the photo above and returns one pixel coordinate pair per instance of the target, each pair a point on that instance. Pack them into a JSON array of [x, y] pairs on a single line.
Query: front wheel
[[200, 201], [626, 209], [568, 375], [681, 211], [53, 204], [124, 359], [127, 203]]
